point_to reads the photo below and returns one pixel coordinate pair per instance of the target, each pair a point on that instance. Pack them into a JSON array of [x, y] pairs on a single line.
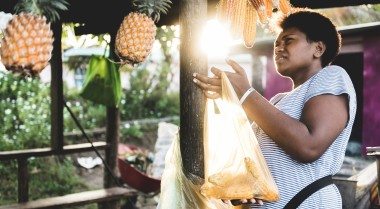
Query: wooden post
[[112, 138], [23, 180], [192, 17], [56, 88]]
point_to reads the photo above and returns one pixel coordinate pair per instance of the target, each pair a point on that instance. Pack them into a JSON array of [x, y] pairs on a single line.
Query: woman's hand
[[212, 85], [244, 201]]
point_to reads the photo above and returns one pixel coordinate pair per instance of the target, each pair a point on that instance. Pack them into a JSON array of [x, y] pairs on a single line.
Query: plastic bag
[[234, 165], [179, 191], [102, 82]]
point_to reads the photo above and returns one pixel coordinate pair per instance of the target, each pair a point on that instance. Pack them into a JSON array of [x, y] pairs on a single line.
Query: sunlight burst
[[215, 39]]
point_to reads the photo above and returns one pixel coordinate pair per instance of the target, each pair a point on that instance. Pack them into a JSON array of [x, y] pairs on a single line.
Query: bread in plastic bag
[[234, 165], [179, 191]]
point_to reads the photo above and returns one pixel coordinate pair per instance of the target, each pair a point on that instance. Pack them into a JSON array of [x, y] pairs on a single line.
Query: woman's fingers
[[207, 86], [207, 80], [238, 69], [252, 200], [210, 86], [260, 202]]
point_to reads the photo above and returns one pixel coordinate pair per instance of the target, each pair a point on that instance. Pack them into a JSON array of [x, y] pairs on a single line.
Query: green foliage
[[52, 176], [131, 131], [152, 8], [25, 124], [8, 182], [47, 8], [25, 104], [148, 96], [89, 114]]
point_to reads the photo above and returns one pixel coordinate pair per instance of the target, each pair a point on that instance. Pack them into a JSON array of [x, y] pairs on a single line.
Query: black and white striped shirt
[[290, 175]]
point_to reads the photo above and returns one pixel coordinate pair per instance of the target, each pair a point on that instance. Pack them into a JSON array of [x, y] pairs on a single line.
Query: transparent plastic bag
[[234, 165], [179, 191]]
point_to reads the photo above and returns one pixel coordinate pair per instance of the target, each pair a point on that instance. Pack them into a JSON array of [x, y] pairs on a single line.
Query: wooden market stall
[[98, 17]]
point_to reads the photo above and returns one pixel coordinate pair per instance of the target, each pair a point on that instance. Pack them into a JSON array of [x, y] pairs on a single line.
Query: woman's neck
[[305, 75]]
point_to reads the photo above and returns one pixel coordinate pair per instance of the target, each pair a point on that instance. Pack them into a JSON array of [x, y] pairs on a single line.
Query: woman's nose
[[278, 48]]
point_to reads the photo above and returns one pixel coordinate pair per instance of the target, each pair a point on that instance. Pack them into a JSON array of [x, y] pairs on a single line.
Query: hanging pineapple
[[28, 40], [136, 34]]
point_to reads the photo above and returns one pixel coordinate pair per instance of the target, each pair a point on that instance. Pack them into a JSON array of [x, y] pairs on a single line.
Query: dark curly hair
[[317, 27]]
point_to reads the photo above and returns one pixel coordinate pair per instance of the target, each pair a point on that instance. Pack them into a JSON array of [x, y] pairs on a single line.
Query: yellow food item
[[242, 19], [249, 33], [27, 45], [285, 6], [136, 34], [229, 185]]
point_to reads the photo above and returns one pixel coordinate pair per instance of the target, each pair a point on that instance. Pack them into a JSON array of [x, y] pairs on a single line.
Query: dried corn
[[285, 6], [259, 5], [222, 10], [269, 8], [249, 32], [239, 18]]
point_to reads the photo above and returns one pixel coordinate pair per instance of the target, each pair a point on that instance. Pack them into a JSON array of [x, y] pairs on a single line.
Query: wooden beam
[[39, 152], [193, 16], [77, 199]]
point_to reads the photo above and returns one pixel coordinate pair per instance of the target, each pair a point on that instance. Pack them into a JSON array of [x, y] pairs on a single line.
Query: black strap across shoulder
[[308, 191]]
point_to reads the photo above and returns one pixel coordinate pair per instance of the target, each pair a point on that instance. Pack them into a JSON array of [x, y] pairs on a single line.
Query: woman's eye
[[288, 41]]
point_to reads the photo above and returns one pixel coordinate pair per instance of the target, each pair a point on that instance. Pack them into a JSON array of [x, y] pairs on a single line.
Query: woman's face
[[293, 54]]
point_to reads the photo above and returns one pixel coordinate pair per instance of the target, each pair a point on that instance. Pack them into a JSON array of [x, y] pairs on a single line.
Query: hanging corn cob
[[285, 6], [238, 20], [249, 33], [242, 15]]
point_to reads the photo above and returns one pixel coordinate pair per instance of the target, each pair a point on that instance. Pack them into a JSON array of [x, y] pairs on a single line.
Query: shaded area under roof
[[100, 16]]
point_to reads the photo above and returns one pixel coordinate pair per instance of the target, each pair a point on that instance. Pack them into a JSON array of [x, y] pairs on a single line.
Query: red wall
[[371, 93], [274, 82]]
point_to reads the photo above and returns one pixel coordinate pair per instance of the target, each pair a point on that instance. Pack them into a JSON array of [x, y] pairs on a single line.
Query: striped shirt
[[290, 175]]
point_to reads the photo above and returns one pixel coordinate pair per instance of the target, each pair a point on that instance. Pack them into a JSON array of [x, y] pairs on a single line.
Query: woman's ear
[[320, 48]]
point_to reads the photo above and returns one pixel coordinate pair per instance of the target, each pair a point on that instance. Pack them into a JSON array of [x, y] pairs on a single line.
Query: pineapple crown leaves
[[47, 8], [152, 8]]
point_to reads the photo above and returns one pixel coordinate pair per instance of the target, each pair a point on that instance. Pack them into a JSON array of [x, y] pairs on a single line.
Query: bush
[[25, 124], [25, 103], [149, 95]]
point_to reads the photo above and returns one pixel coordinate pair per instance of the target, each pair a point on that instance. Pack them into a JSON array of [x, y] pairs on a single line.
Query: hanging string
[[109, 170], [92, 145]]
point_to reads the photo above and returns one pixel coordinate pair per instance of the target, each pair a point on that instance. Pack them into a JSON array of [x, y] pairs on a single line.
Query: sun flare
[[215, 39]]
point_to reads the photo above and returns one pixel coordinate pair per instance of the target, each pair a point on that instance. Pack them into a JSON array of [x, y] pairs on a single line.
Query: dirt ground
[[94, 176]]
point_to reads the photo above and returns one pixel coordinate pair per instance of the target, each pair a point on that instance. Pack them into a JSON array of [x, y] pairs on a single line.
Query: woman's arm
[[323, 118]]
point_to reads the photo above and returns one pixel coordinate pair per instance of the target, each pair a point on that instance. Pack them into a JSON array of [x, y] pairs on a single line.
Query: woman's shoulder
[[331, 79], [334, 70]]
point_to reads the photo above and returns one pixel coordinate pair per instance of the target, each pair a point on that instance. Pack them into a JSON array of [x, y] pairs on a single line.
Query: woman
[[303, 133]]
